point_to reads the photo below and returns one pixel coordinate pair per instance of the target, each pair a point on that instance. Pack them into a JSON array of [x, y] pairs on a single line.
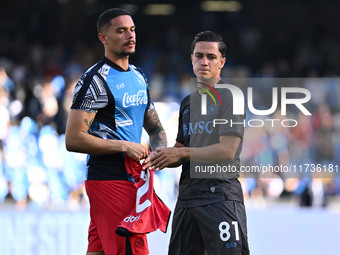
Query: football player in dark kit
[[210, 216]]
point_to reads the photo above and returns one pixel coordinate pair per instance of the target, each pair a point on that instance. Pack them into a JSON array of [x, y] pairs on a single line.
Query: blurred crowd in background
[[46, 47]]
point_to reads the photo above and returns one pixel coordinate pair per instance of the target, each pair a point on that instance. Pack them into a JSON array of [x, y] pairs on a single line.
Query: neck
[[122, 61], [211, 82]]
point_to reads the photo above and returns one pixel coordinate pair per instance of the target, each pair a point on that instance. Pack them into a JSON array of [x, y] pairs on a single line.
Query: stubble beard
[[126, 54]]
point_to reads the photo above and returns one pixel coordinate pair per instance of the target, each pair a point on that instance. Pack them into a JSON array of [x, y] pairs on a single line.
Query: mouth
[[130, 43]]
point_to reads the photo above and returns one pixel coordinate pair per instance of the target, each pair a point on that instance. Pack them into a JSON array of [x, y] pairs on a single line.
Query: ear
[[192, 57], [102, 38], [222, 62]]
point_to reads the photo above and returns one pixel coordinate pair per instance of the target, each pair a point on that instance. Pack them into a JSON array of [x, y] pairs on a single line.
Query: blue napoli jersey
[[120, 99]]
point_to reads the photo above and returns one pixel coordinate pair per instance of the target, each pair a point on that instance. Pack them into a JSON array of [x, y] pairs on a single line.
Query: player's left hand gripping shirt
[[120, 99]]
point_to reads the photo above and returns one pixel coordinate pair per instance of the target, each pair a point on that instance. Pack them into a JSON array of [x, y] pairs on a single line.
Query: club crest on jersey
[[135, 99], [141, 82], [140, 79]]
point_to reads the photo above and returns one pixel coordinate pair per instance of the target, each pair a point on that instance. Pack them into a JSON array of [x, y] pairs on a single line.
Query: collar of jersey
[[114, 66]]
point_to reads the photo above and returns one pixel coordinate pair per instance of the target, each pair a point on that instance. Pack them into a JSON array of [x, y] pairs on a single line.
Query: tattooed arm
[[78, 140], [155, 130]]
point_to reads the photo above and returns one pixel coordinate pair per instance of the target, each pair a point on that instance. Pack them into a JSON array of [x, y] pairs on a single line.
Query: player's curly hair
[[210, 36], [104, 20]]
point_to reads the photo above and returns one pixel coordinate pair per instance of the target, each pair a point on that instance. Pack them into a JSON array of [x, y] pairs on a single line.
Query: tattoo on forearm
[[155, 130], [88, 122], [158, 139], [162, 139]]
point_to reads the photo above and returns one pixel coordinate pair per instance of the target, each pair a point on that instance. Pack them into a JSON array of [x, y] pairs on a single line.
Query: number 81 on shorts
[[225, 234]]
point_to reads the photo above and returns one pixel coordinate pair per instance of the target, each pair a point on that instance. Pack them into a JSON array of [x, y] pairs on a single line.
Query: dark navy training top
[[197, 130]]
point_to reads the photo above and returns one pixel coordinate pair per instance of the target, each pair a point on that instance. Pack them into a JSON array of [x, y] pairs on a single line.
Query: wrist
[[184, 153], [124, 147]]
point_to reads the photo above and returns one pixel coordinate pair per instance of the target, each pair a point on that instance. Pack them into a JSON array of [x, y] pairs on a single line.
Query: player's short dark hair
[[104, 20], [210, 36]]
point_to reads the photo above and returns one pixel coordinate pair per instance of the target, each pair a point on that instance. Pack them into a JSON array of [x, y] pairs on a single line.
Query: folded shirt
[[149, 213]]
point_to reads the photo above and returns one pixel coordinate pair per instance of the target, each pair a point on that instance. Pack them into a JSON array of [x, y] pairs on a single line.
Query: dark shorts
[[110, 202], [214, 229]]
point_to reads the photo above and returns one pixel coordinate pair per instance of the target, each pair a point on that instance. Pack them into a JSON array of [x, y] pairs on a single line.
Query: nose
[[130, 34], [204, 61]]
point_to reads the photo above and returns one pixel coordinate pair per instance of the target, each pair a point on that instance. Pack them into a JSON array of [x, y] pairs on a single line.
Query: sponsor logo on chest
[[136, 99]]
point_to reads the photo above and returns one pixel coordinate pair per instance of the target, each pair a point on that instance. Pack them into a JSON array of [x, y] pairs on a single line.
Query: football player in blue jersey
[[111, 106]]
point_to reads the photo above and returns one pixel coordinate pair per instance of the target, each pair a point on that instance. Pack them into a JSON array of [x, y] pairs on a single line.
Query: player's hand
[[164, 157], [147, 162], [136, 151]]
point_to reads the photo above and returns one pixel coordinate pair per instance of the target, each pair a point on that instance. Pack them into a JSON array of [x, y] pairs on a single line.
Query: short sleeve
[[235, 126], [141, 74], [180, 136], [150, 105], [90, 94]]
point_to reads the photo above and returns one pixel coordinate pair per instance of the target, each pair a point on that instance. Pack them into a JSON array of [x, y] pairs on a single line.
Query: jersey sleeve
[[90, 94], [235, 125], [180, 136], [150, 105]]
